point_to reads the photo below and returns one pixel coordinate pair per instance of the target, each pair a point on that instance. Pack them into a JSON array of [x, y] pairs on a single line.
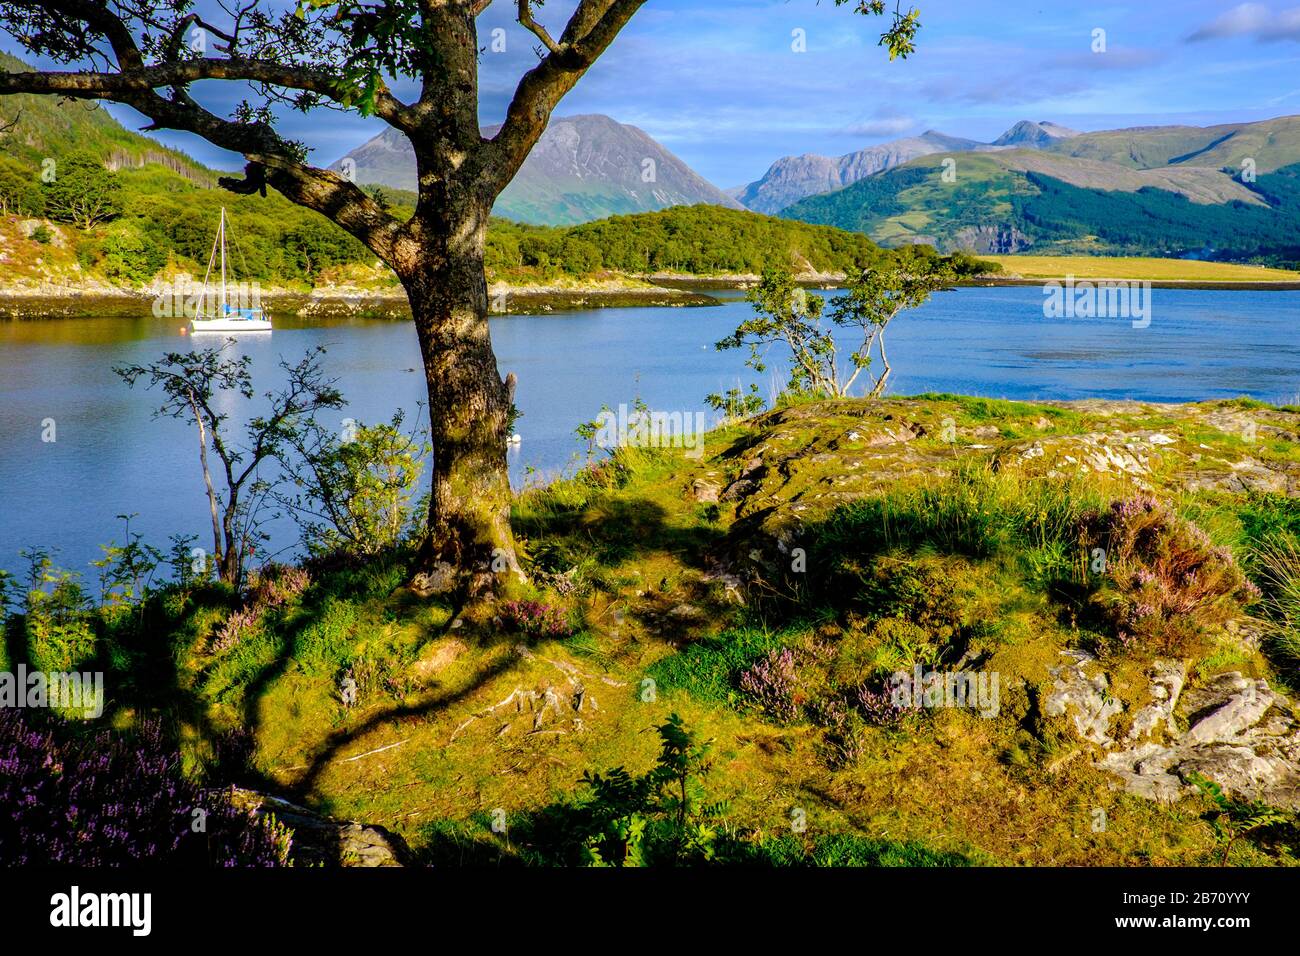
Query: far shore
[[656, 290]]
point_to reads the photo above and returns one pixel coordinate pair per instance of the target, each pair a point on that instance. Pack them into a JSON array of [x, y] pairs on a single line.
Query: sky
[[732, 85]]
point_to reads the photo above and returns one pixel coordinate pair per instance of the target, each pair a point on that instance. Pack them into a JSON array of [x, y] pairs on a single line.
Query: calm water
[[111, 457]]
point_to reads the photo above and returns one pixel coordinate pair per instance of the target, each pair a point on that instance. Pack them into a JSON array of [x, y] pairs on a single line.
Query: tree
[[191, 381], [82, 192], [874, 298], [19, 193], [347, 54], [785, 313], [354, 493]]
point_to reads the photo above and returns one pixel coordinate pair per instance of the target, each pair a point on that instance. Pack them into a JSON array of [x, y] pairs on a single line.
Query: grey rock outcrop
[[1237, 732], [321, 841]]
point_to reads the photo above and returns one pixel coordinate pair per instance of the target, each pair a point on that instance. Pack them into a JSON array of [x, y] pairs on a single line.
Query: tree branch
[[536, 29], [589, 32]]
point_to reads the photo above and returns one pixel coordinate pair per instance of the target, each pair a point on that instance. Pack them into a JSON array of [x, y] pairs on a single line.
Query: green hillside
[[1020, 201], [1148, 191], [1272, 144], [693, 240], [45, 128]]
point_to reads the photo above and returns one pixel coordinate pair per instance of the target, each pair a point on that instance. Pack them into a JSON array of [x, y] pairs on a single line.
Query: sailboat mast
[[223, 260]]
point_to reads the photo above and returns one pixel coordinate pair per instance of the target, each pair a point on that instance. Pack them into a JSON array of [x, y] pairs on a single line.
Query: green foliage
[[785, 313], [849, 849], [355, 492], [707, 668], [20, 193], [735, 404], [82, 191], [1232, 819], [60, 635], [658, 818], [122, 254], [126, 571]]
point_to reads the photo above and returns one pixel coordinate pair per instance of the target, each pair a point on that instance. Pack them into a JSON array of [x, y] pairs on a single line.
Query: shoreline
[[659, 291], [38, 305]]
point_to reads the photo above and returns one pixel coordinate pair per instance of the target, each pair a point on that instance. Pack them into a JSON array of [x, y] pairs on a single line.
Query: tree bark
[[469, 549]]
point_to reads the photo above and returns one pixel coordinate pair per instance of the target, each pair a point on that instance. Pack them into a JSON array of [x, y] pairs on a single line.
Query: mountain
[[583, 168], [1027, 134], [791, 178], [1145, 191]]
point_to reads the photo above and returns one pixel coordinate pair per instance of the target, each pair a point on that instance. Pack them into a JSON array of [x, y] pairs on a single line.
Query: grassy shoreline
[[659, 289], [1178, 273]]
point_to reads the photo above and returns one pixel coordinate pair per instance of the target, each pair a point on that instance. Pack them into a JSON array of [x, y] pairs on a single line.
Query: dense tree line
[[695, 240]]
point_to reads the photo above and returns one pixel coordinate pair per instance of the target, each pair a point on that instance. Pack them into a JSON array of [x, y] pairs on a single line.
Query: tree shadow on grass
[[615, 530], [303, 786]]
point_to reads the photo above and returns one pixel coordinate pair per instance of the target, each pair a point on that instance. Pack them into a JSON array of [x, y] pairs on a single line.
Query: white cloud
[[884, 123], [1252, 19]]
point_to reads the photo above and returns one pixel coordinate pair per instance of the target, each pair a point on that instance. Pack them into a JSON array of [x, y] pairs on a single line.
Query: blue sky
[[720, 84]]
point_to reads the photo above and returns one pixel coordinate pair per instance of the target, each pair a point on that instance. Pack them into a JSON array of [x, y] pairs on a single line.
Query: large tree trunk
[[469, 550]]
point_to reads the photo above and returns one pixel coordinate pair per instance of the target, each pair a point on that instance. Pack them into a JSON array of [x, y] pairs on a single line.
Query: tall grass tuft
[[1278, 564]]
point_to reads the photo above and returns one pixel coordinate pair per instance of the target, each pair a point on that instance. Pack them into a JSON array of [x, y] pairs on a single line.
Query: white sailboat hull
[[230, 325]]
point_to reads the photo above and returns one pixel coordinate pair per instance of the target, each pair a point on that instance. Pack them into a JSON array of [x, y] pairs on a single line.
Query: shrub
[[887, 645], [358, 493], [773, 685], [239, 625], [114, 800], [844, 729], [1167, 584], [60, 635], [878, 707], [277, 584], [658, 818], [274, 586], [536, 619]]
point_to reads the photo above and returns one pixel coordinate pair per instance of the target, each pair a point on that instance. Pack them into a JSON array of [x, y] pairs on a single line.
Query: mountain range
[[1227, 191], [791, 178], [583, 168]]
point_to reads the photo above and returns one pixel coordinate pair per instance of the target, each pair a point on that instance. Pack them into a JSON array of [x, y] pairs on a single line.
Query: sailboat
[[223, 317]]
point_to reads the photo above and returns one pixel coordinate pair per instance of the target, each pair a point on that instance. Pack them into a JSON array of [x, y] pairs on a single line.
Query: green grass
[[708, 668]]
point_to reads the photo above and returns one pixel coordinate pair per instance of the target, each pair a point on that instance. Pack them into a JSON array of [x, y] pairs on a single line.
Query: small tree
[[785, 313], [355, 492], [190, 381], [82, 192], [874, 298], [660, 817]]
